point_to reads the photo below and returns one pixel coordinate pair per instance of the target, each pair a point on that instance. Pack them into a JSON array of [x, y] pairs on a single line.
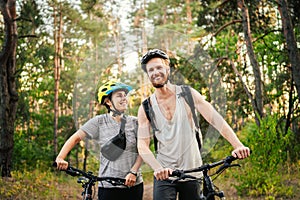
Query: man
[[176, 140]]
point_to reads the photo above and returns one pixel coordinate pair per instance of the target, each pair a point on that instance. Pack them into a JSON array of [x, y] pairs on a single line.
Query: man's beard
[[160, 85]]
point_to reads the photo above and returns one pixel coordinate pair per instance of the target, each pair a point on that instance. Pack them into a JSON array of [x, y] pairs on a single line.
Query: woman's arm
[[136, 166], [67, 147], [132, 175]]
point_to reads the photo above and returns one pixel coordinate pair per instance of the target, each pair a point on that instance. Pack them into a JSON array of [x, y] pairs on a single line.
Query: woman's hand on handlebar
[[241, 152], [163, 173], [130, 180], [61, 164]]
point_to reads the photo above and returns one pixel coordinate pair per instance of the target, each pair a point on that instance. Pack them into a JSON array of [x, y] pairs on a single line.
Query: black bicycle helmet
[[153, 53]]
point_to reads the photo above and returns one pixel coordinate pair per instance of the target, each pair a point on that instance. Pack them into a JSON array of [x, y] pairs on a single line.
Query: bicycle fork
[[87, 193], [209, 190], [87, 184]]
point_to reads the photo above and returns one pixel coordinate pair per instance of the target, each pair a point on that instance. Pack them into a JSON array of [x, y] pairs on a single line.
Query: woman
[[102, 128]]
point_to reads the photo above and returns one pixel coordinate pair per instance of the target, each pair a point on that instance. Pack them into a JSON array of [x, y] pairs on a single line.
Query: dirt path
[[148, 192]]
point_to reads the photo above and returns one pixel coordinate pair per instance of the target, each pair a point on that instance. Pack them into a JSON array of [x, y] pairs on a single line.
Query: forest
[[242, 55]]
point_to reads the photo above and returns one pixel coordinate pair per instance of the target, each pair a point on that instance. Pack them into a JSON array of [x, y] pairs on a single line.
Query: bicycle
[[210, 191], [88, 180]]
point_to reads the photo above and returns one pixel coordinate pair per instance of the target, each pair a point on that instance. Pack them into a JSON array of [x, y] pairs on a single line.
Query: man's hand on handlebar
[[163, 173], [241, 152]]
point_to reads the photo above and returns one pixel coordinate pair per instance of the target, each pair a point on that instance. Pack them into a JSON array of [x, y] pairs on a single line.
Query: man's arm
[[218, 122], [144, 138]]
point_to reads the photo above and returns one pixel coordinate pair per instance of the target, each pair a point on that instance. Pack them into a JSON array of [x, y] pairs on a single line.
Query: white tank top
[[177, 147]]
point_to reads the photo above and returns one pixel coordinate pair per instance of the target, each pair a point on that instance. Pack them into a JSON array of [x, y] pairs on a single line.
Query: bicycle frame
[[209, 191], [88, 180]]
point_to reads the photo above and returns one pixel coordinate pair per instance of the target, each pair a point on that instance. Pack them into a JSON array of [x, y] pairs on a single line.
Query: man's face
[[157, 72]]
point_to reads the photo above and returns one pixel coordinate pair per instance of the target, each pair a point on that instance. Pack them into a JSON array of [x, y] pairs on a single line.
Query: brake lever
[[225, 166], [72, 172], [182, 177], [235, 165], [175, 180]]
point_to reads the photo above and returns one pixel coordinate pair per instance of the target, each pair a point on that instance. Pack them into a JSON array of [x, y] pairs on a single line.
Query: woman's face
[[119, 98]]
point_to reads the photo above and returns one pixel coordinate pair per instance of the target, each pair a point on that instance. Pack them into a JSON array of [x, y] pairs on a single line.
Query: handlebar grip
[[231, 158], [54, 164], [177, 173]]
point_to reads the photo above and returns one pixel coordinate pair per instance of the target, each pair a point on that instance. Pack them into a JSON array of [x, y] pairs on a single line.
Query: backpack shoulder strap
[[146, 105], [150, 115], [187, 95]]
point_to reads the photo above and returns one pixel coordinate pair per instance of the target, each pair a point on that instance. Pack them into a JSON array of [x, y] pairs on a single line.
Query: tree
[[8, 93], [258, 100], [291, 43], [58, 65]]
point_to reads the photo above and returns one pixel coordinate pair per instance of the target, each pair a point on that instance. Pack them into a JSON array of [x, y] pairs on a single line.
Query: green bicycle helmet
[[111, 86]]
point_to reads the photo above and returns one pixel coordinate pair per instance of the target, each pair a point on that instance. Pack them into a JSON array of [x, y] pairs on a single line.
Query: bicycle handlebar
[[77, 172], [226, 163]]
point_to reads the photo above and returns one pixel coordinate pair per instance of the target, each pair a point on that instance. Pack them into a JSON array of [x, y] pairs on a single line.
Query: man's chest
[[167, 106]]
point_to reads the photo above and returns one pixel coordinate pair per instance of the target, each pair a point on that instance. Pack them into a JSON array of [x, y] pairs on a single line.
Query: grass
[[52, 185], [47, 185]]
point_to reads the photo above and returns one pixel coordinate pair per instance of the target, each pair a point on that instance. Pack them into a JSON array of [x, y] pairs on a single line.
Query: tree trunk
[[58, 64], [8, 93], [291, 43], [188, 12], [255, 66]]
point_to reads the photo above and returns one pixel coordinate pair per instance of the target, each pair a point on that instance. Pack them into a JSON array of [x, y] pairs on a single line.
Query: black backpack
[[186, 94]]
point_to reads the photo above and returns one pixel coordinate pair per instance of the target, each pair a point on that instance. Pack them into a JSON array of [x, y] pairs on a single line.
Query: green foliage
[[33, 146], [262, 173]]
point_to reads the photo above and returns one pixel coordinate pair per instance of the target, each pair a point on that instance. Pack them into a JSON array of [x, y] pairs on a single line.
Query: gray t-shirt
[[101, 129]]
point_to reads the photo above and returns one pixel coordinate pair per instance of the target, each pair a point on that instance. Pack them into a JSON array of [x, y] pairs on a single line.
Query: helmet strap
[[115, 112]]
